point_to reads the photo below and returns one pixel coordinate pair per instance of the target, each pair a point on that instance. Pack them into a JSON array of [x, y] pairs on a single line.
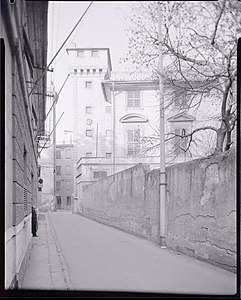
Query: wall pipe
[[162, 140]]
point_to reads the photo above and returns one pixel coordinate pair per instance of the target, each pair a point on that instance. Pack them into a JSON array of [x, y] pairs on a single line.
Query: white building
[[116, 119]]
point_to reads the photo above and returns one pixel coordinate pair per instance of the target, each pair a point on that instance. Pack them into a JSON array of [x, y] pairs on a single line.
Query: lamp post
[[162, 140]]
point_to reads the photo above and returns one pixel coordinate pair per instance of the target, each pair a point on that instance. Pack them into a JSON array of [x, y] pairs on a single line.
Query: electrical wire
[[46, 69]]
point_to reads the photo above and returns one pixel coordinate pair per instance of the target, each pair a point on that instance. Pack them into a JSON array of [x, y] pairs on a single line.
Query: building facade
[[64, 178], [117, 119], [23, 30]]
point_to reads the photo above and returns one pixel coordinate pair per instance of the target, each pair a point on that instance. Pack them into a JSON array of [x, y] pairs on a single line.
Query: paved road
[[100, 257]]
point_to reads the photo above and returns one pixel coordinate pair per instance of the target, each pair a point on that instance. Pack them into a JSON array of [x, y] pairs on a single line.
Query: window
[[100, 71], [68, 153], [88, 84], [88, 109], [88, 154], [109, 155], [180, 141], [58, 200], [181, 102], [99, 174], [108, 132], [94, 71], [58, 184], [89, 133], [133, 99], [68, 170], [108, 109], [58, 170], [75, 71], [89, 121], [133, 142], [58, 154], [68, 184], [95, 53], [68, 200], [81, 71], [80, 53], [88, 71]]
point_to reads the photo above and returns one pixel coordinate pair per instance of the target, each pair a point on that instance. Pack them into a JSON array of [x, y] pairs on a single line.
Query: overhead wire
[[46, 69]]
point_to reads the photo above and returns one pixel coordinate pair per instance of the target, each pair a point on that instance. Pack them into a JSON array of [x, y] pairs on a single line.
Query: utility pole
[[54, 146], [162, 140]]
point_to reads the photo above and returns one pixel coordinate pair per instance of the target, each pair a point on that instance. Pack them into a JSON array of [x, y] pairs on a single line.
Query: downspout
[[16, 46], [113, 133]]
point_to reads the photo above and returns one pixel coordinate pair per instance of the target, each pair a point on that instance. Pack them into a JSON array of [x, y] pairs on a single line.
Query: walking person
[[34, 222]]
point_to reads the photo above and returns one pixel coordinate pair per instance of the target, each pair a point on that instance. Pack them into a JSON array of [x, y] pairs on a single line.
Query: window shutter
[[129, 99], [130, 136], [137, 99], [136, 135], [130, 150]]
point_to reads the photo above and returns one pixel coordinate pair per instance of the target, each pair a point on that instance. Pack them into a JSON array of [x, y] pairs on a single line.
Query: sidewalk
[[45, 270]]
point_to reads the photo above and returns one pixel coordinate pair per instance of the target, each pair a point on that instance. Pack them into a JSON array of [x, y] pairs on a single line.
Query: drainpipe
[[162, 141], [16, 46], [113, 133]]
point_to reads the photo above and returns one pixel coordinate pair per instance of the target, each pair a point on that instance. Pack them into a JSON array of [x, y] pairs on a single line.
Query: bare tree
[[199, 49]]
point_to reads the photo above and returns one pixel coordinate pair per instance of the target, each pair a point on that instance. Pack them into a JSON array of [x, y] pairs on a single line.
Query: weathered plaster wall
[[127, 200], [201, 209]]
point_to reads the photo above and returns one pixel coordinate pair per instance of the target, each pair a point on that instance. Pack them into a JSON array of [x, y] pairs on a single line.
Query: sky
[[102, 26]]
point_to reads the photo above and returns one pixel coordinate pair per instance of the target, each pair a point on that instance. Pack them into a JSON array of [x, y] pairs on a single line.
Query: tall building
[[64, 176], [88, 67], [23, 59]]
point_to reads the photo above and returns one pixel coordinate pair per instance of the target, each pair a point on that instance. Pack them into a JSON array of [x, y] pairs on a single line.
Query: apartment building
[[23, 29], [64, 179]]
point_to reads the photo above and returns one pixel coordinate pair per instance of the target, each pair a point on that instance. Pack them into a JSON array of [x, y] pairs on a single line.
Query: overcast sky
[[102, 26]]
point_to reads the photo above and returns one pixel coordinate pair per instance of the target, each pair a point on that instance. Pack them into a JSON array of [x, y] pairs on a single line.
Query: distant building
[[23, 51], [47, 190], [64, 176]]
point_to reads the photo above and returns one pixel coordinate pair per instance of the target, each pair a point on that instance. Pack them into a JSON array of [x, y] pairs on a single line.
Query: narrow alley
[[72, 252]]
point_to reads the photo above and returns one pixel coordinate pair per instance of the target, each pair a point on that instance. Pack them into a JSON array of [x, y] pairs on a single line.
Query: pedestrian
[[34, 221]]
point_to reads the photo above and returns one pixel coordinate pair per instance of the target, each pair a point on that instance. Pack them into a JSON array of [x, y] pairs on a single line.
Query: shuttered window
[[133, 142], [133, 99]]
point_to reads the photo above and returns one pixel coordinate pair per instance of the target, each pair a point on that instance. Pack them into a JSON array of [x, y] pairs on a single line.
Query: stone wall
[[201, 209], [127, 200], [200, 206]]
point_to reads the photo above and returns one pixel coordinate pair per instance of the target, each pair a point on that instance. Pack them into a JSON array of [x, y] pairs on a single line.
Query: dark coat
[[34, 221]]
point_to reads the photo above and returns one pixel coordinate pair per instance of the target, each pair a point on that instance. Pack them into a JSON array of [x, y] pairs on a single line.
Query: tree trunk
[[221, 133]]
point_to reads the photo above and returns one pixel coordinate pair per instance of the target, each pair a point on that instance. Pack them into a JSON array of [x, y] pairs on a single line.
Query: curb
[[58, 268]]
